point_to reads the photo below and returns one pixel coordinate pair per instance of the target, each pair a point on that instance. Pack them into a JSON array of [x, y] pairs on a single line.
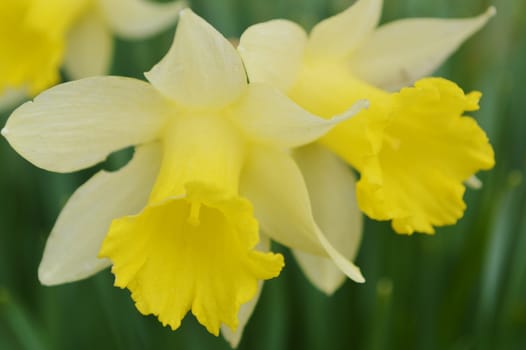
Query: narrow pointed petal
[[331, 187], [202, 68], [268, 116], [75, 125], [137, 19], [273, 183], [89, 47], [340, 35], [401, 52], [246, 310], [73, 245], [273, 52]]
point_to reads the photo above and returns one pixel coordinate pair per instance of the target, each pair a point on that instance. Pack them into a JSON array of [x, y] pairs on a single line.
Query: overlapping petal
[[267, 116], [202, 69], [273, 52], [274, 184], [331, 187], [77, 124], [74, 243]]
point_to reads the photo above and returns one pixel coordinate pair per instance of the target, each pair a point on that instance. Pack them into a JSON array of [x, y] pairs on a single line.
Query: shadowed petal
[[74, 243], [274, 184], [331, 185]]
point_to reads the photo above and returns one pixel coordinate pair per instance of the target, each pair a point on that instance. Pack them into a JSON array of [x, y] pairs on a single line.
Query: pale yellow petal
[[89, 47], [273, 183], [331, 187], [73, 245], [246, 310], [265, 115], [77, 124], [137, 19], [400, 52], [202, 69], [340, 35], [273, 52]]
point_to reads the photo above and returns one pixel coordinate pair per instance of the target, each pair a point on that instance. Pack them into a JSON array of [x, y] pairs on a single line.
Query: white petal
[[340, 35], [12, 97], [268, 116], [73, 245], [77, 124], [401, 52], [273, 52], [331, 186], [89, 47], [137, 19], [273, 183], [202, 68], [247, 309]]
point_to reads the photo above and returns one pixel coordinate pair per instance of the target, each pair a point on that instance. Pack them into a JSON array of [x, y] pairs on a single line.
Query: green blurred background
[[464, 288]]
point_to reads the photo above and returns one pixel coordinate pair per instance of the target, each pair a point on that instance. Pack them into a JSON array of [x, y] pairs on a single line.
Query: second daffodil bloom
[[37, 37], [209, 148], [414, 149]]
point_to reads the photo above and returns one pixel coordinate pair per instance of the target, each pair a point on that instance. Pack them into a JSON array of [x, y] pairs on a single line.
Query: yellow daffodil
[[414, 149], [38, 36], [176, 222]]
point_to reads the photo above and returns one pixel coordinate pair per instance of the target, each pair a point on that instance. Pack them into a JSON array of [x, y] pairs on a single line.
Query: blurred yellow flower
[[38, 36], [177, 221]]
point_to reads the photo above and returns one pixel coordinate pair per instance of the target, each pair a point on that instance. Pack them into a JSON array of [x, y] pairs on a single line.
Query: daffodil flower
[[177, 222], [414, 149], [38, 36]]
